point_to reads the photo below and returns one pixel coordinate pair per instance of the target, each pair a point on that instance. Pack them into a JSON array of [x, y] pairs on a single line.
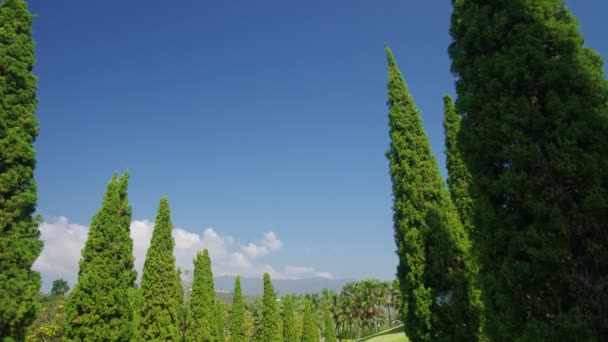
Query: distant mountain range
[[254, 287]]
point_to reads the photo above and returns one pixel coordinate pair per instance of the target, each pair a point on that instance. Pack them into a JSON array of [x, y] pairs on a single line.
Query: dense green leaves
[[271, 320], [60, 287], [440, 302], [19, 242], [158, 314], [290, 331], [201, 325], [310, 333], [459, 178], [330, 329], [99, 308], [534, 136], [238, 330], [221, 327]]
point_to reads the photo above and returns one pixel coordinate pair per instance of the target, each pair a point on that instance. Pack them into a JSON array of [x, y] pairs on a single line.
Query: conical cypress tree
[[330, 329], [459, 178], [238, 329], [19, 238], [159, 309], [433, 248], [219, 314], [201, 325], [534, 136], [290, 331], [309, 327], [271, 320], [99, 308]]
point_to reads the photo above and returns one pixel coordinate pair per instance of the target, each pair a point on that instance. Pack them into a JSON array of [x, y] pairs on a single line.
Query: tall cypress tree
[[310, 333], [238, 329], [534, 136], [330, 329], [201, 325], [271, 320], [99, 308], [434, 267], [158, 314], [19, 237], [290, 331], [459, 177]]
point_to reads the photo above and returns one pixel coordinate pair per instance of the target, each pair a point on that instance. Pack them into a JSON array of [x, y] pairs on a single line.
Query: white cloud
[[269, 243], [299, 272], [64, 242]]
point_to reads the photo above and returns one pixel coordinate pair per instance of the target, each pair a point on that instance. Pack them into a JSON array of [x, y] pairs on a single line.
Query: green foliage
[[201, 325], [290, 332], [310, 333], [158, 314], [534, 136], [271, 320], [99, 308], [238, 330], [459, 178], [330, 330], [19, 237], [440, 302], [60, 288], [219, 314], [49, 324]]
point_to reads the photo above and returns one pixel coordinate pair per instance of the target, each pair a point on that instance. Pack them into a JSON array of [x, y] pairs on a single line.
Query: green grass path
[[390, 335]]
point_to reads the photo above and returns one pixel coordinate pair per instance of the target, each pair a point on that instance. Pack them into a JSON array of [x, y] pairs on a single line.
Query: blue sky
[[251, 116]]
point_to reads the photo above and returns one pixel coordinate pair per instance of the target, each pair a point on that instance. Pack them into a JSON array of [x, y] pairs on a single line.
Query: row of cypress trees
[[518, 250], [106, 306]]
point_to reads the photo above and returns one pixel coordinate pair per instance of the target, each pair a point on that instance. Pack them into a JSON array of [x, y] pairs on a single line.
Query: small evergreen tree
[[19, 237], [290, 331], [310, 333], [238, 330], [201, 325], [219, 313], [534, 136], [441, 302], [99, 308], [271, 320], [330, 329], [159, 309]]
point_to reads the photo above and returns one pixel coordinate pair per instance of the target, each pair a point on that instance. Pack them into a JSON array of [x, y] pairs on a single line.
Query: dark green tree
[[290, 331], [271, 319], [459, 177], [238, 329], [310, 333], [434, 267], [158, 314], [60, 288], [219, 314], [201, 325], [330, 329], [99, 308], [183, 308], [534, 135], [19, 237]]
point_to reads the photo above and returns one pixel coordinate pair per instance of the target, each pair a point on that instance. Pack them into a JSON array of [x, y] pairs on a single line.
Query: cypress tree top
[[238, 329], [19, 238], [201, 324], [310, 333], [99, 308], [271, 320], [434, 251], [159, 310], [290, 332]]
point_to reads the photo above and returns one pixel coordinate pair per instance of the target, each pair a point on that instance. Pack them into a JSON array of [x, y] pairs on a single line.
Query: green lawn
[[390, 335]]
